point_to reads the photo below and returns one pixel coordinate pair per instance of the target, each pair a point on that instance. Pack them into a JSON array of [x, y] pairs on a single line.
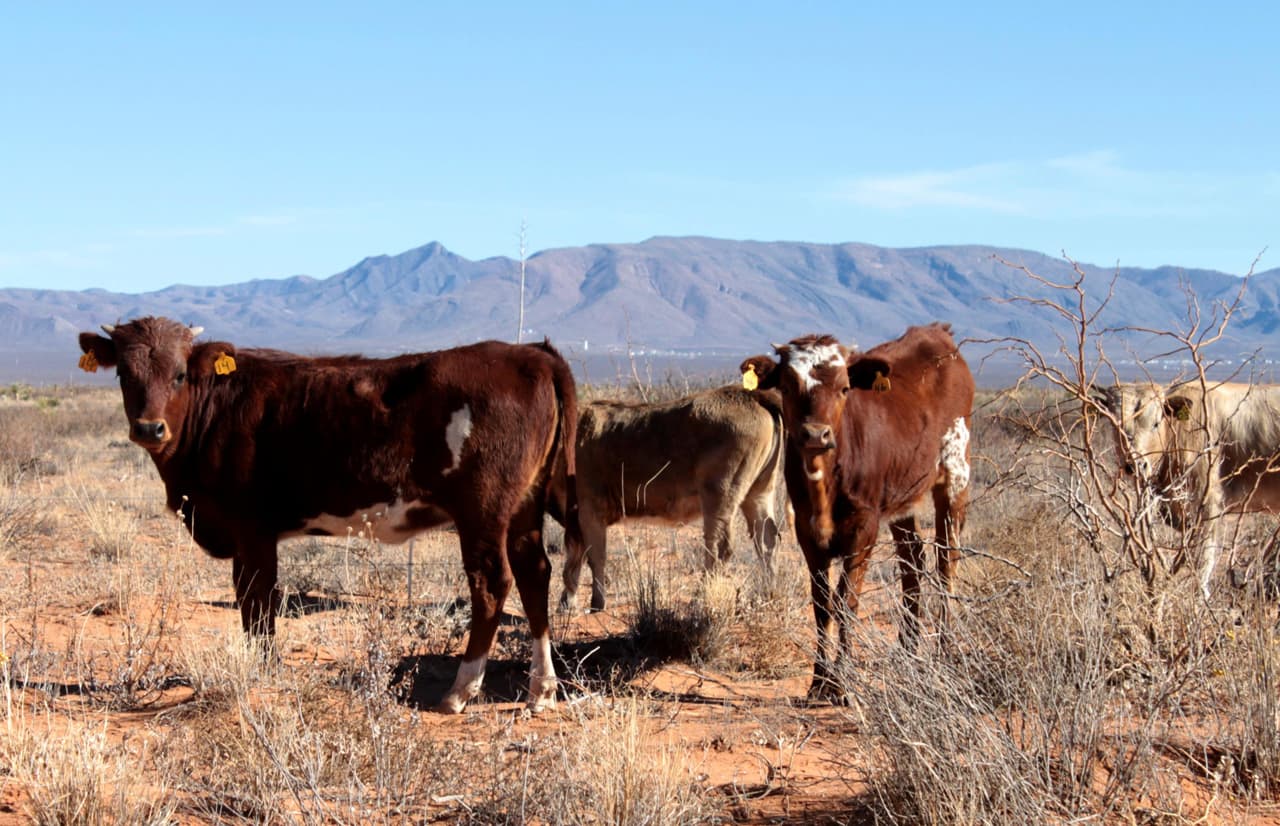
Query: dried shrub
[[79, 777]]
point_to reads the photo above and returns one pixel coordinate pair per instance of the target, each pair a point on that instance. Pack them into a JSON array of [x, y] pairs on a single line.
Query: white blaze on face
[[804, 360], [953, 461], [455, 435]]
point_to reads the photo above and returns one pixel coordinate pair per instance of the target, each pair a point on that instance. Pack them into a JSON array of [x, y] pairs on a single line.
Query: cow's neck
[[819, 471]]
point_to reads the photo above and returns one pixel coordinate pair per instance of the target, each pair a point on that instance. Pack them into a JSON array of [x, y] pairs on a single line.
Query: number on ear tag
[[89, 362], [749, 379], [881, 384], [224, 365]]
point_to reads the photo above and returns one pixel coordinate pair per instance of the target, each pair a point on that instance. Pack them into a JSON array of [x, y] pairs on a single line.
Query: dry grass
[[1066, 691]]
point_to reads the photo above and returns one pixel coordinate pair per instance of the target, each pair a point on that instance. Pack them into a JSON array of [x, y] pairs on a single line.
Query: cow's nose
[[819, 436], [149, 431]]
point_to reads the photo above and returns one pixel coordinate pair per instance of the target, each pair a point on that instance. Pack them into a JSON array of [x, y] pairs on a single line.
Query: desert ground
[[1083, 679]]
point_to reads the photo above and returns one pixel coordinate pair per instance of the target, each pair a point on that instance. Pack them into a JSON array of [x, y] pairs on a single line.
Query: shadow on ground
[[610, 663]]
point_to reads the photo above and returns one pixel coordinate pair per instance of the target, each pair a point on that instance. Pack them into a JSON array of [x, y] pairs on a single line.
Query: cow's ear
[[1178, 407], [212, 358], [1105, 398], [759, 373], [98, 350], [869, 373]]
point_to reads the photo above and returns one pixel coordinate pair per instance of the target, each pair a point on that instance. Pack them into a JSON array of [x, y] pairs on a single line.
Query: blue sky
[[150, 144]]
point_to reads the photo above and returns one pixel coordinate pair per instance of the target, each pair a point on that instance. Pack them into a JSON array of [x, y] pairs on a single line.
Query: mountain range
[[665, 297]]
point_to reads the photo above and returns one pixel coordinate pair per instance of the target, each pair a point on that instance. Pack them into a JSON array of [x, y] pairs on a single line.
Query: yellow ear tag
[[1183, 413], [881, 384], [749, 379], [89, 362], [224, 365]]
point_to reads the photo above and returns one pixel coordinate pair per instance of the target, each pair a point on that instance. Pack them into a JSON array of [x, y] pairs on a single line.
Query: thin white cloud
[[968, 188], [1098, 163], [1089, 184], [269, 220], [178, 232], [41, 259]]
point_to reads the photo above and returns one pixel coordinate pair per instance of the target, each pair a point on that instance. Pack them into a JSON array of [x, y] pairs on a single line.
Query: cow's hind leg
[[762, 524], [949, 514], [910, 551], [484, 557], [594, 537], [718, 506], [950, 502], [532, 570]]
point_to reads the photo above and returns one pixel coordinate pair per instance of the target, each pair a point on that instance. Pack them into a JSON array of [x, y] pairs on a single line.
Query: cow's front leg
[[856, 539], [254, 571], [489, 576], [824, 685]]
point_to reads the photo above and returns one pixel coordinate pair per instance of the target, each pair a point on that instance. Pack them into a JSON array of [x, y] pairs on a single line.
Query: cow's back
[[889, 455], [1240, 438], [657, 460], [291, 438]]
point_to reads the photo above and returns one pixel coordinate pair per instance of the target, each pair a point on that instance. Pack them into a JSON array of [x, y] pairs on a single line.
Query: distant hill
[[721, 299]]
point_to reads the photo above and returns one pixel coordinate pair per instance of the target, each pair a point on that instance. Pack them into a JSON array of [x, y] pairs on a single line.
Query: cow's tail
[[772, 402], [567, 395]]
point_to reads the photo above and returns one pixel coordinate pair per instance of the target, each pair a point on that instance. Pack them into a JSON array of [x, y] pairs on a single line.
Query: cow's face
[[813, 376], [1140, 414], [151, 357], [813, 380]]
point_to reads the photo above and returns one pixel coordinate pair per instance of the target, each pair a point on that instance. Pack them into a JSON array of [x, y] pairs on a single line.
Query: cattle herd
[[257, 445]]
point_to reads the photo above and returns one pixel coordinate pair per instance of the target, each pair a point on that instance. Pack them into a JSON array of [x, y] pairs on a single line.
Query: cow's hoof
[[537, 705], [567, 603], [825, 690], [597, 602], [451, 704]]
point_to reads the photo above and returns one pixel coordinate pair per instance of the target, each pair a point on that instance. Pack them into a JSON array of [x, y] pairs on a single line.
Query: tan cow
[[1207, 450], [707, 455]]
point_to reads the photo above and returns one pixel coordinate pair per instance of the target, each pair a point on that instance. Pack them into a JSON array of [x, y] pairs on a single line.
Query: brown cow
[[871, 436], [257, 445], [708, 454]]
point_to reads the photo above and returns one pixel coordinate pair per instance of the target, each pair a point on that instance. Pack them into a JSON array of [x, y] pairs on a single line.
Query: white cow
[[1207, 450]]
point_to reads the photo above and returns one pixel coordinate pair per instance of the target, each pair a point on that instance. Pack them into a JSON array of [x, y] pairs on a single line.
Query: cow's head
[[154, 361], [815, 375], [1141, 415]]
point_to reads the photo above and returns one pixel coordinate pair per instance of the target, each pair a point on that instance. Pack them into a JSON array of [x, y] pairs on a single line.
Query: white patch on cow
[[542, 676], [386, 522], [804, 360], [466, 685], [954, 463], [455, 435]]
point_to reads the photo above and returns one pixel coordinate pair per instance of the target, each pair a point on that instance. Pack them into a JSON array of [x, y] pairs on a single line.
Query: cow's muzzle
[[150, 433], [817, 437]]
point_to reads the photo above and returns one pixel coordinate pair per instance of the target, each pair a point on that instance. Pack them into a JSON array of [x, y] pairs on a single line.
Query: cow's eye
[[180, 379]]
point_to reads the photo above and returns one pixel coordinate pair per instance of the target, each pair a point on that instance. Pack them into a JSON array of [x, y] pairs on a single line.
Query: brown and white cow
[[707, 455], [257, 445], [871, 436], [1205, 449]]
